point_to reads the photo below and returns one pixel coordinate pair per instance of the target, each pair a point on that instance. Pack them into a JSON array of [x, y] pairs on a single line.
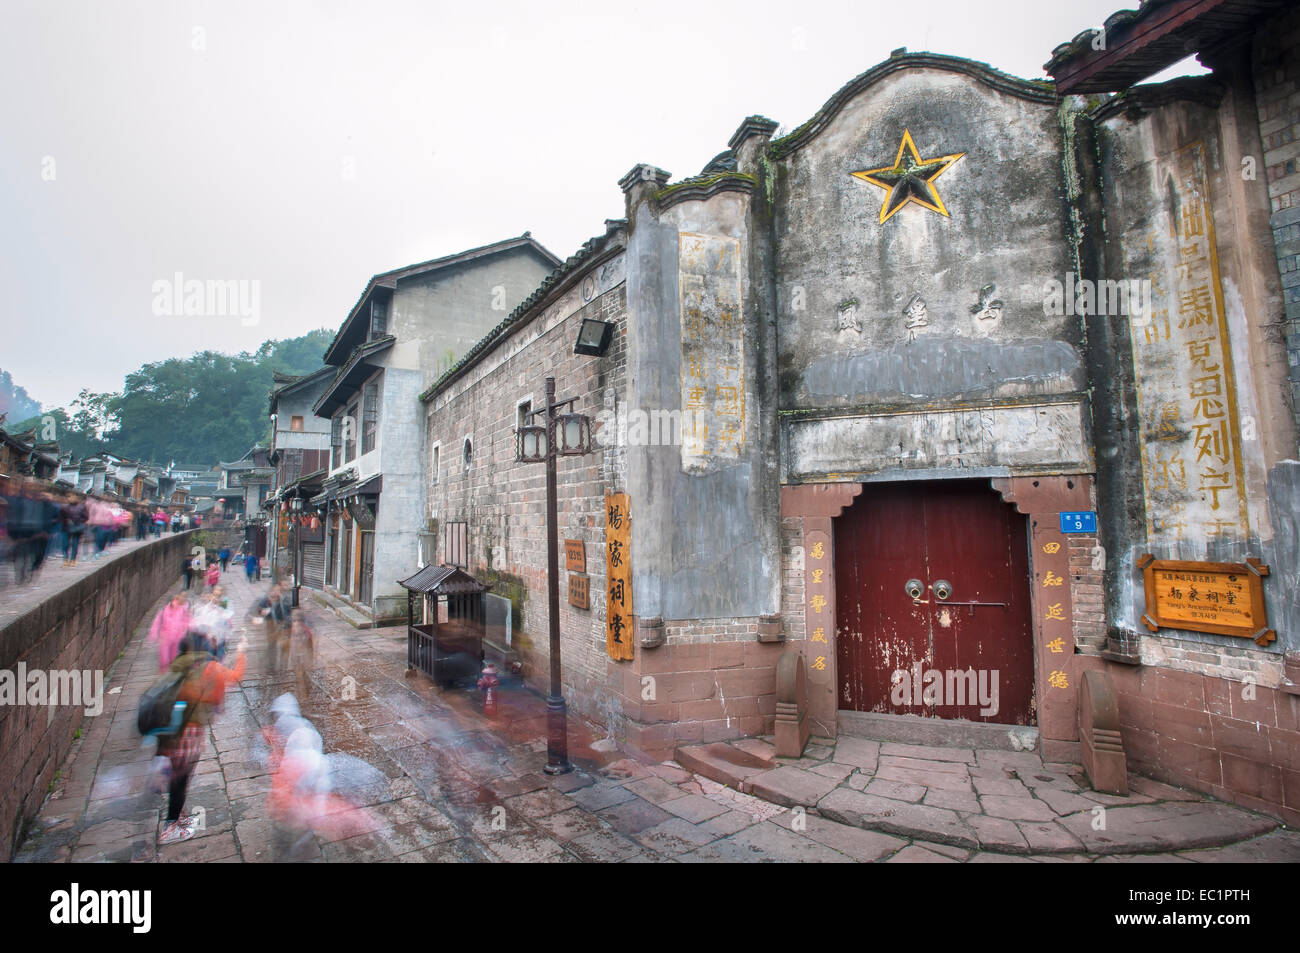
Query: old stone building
[[408, 324], [918, 392]]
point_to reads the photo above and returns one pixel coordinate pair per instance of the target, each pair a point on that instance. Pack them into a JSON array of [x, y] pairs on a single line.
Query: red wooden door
[[932, 656]]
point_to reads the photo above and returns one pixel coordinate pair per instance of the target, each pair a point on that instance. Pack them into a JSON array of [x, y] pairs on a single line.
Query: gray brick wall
[[504, 502]]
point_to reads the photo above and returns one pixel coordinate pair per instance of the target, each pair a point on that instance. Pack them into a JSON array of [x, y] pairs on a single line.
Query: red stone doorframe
[[1054, 572], [817, 504], [1041, 499]]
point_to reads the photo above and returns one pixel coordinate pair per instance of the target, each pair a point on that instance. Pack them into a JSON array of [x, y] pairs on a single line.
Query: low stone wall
[[82, 626]]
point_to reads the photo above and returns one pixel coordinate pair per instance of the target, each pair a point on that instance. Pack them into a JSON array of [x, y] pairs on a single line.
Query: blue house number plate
[[1079, 522]]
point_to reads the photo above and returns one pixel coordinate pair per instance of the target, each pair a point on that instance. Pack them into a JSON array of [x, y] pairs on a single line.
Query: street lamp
[[566, 434], [296, 506]]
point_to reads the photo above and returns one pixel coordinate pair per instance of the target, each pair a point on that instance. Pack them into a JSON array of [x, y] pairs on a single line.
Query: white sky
[[462, 123]]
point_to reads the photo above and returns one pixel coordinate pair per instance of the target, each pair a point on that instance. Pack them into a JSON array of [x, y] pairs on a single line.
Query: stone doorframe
[[1065, 595]]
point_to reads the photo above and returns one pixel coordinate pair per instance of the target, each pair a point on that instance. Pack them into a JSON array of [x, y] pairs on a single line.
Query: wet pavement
[[449, 784]]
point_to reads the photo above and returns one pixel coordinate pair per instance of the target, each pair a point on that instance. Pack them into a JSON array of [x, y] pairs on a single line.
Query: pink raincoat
[[168, 629]]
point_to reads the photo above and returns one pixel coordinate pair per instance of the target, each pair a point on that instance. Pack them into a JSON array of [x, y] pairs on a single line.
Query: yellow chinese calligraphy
[[1058, 680], [1054, 611], [1057, 645], [819, 634], [1052, 579]]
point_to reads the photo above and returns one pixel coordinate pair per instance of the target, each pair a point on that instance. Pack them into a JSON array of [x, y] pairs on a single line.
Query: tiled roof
[[389, 279], [590, 248]]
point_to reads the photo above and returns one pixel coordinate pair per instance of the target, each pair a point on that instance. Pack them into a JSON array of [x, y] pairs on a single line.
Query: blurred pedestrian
[[202, 692], [75, 518], [302, 651], [224, 556], [169, 628]]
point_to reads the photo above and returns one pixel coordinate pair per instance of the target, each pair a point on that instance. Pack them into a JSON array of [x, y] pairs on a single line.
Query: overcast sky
[[309, 145]]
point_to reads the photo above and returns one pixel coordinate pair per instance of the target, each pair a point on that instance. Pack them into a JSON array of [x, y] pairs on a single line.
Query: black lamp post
[[296, 507], [562, 435]]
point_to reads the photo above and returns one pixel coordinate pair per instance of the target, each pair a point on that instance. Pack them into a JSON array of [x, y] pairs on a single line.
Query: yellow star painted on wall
[[909, 179]]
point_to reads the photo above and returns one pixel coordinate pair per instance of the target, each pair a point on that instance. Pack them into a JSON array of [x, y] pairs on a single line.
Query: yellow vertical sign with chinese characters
[[1192, 468], [618, 577]]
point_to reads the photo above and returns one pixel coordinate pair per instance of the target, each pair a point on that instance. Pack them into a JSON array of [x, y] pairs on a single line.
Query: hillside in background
[[200, 409], [14, 400]]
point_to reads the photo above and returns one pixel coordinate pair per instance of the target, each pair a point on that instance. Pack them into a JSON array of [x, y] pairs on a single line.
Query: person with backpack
[[202, 691]]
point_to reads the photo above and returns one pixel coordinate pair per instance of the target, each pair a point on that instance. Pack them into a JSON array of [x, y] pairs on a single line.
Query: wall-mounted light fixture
[[593, 337]]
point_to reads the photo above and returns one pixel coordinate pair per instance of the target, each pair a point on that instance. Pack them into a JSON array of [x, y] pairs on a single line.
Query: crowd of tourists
[[193, 634], [39, 523]]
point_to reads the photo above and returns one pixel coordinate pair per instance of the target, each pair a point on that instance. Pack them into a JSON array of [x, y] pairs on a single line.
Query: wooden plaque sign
[[575, 555], [579, 590], [618, 577], [1223, 598]]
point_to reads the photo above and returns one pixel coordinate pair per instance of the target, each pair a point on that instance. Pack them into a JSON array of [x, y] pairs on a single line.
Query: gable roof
[[389, 279]]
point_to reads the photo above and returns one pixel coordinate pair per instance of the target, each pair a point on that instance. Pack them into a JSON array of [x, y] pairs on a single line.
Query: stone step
[[945, 732], [723, 763], [354, 617]]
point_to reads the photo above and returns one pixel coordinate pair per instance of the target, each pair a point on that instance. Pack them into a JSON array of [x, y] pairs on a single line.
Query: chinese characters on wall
[[1191, 442], [618, 577], [819, 611], [713, 351]]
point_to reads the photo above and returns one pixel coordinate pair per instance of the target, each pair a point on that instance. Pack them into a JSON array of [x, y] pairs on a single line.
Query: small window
[[523, 412], [336, 441], [467, 455], [456, 544], [435, 461], [378, 319], [370, 425], [350, 434], [295, 423]]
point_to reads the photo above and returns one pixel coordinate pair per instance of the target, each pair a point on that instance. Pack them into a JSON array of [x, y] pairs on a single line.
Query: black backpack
[[154, 716]]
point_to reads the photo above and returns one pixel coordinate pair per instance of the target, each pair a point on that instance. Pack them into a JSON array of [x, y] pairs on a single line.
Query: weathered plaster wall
[[886, 325], [1207, 417], [715, 550]]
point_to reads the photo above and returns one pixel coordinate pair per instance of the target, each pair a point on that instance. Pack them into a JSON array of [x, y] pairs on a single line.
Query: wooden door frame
[[1041, 499]]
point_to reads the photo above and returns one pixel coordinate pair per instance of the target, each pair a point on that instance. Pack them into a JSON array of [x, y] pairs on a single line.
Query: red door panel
[[969, 656]]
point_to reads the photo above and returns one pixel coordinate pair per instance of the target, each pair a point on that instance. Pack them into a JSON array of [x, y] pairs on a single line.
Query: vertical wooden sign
[[618, 577]]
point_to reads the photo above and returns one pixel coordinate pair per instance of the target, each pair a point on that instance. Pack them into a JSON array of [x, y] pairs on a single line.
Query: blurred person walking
[[75, 518], [203, 692], [169, 628]]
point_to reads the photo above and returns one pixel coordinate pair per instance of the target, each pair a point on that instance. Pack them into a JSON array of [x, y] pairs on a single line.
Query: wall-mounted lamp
[[593, 337]]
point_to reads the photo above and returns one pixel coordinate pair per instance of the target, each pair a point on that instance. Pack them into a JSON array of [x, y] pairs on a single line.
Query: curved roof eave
[[1039, 91]]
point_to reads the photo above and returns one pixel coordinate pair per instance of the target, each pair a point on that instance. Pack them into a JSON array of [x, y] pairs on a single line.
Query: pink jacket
[[168, 629]]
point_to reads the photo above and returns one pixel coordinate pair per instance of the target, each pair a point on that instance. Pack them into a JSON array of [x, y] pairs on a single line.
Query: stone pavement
[[16, 600], [457, 786]]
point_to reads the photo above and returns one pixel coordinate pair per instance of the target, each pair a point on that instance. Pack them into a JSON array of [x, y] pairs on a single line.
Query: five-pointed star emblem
[[909, 179]]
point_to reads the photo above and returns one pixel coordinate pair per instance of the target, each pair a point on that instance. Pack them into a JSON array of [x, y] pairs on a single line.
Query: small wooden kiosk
[[451, 649]]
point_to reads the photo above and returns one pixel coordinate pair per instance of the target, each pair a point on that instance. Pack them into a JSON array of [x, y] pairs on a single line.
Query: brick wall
[[83, 626], [1236, 740], [1277, 91], [504, 502]]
